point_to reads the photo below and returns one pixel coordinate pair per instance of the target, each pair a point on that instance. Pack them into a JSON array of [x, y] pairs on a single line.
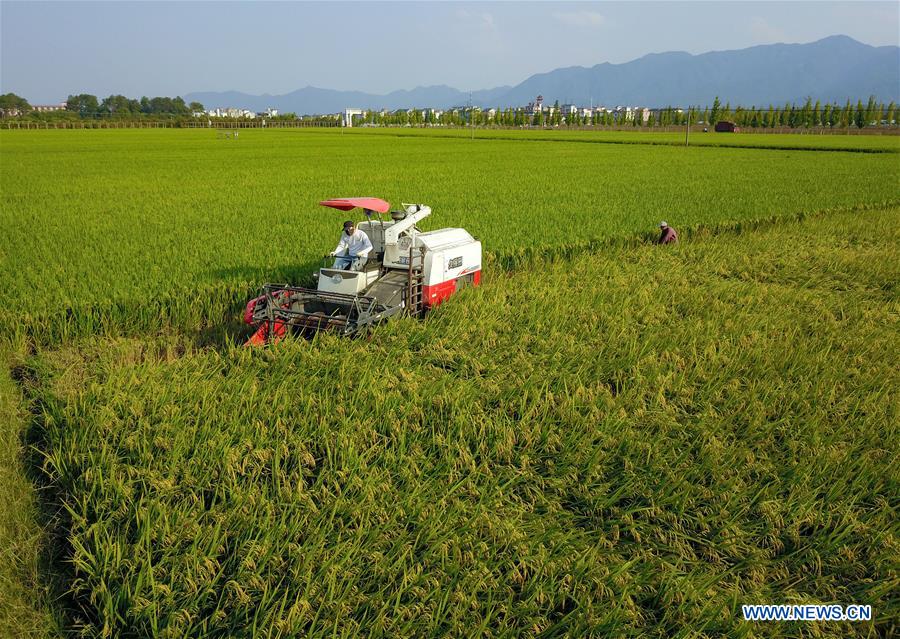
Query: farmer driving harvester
[[353, 248]]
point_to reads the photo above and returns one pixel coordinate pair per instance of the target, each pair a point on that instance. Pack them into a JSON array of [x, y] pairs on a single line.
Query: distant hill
[[831, 70], [316, 100]]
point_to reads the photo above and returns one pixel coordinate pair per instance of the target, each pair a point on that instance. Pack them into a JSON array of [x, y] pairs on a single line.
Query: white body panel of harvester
[[449, 255], [332, 280]]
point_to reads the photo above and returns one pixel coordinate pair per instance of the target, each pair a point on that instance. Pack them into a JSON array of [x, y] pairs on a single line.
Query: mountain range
[[833, 69]]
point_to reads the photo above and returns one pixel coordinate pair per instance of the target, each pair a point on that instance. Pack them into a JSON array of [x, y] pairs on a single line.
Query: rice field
[[604, 439], [120, 220]]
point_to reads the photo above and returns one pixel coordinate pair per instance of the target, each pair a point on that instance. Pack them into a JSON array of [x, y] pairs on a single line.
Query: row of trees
[[808, 115], [511, 117], [86, 105]]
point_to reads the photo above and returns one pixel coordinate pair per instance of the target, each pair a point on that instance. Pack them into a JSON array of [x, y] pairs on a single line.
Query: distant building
[[623, 114], [231, 112], [724, 126], [348, 115], [535, 107], [47, 108]]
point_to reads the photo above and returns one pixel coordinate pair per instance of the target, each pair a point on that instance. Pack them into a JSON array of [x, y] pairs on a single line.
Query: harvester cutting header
[[383, 267]]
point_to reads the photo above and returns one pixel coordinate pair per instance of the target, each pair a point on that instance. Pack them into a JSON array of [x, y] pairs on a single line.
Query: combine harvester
[[407, 272]]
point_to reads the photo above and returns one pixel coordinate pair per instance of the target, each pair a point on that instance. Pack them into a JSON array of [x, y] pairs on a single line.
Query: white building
[[46, 108], [230, 112], [348, 115]]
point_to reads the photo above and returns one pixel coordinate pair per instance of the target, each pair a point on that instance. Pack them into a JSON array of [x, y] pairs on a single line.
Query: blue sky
[[49, 50]]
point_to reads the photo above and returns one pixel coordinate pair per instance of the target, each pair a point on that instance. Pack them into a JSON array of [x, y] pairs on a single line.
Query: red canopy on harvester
[[348, 203]]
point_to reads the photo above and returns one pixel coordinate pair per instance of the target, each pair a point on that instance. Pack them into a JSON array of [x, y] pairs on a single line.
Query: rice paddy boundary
[[672, 143]]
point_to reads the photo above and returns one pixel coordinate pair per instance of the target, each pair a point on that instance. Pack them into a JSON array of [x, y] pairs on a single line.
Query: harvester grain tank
[[407, 272]]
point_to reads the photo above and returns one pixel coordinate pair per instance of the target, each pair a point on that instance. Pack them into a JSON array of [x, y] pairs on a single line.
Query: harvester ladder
[[415, 292]]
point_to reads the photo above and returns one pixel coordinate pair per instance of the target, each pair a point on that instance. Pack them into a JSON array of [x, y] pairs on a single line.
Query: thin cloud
[[483, 21], [764, 33], [581, 18]]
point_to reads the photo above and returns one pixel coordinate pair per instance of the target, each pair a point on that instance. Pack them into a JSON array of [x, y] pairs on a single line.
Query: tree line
[[86, 105], [808, 115], [790, 115]]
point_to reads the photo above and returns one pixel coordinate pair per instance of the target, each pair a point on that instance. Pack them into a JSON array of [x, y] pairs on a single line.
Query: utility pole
[[471, 115], [687, 127]]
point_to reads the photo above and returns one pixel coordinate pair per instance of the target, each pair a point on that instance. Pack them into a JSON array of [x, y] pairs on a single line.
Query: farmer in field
[[352, 249], [668, 234]]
